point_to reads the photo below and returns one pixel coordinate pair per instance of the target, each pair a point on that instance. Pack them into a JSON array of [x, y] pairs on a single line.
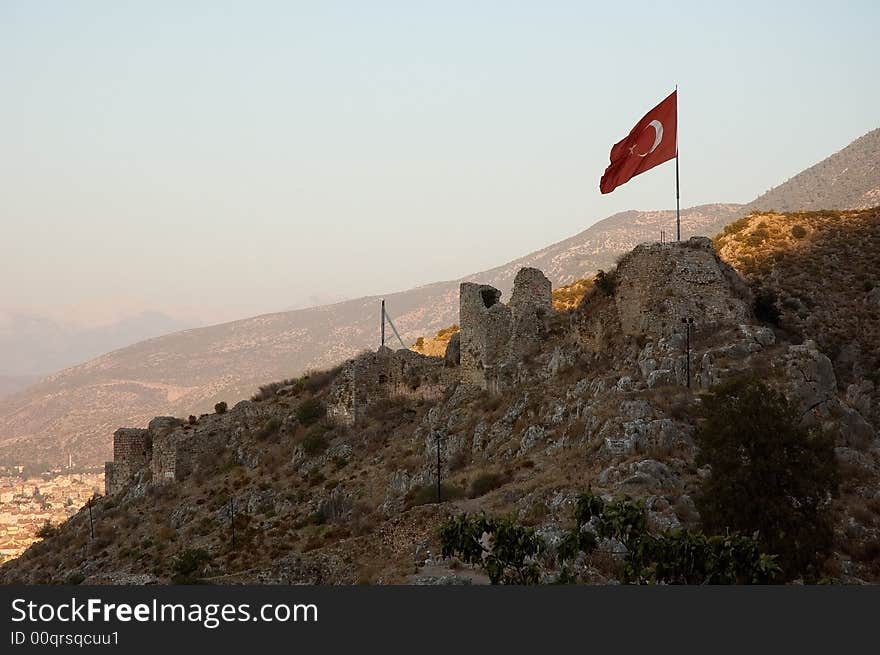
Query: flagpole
[[677, 210], [677, 194]]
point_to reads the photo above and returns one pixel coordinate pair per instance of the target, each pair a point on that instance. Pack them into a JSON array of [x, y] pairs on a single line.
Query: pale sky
[[218, 160]]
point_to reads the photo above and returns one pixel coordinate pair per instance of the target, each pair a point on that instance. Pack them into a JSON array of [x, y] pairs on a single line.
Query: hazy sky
[[224, 159]]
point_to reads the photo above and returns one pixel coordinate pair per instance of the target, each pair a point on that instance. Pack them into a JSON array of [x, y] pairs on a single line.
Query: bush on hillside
[[798, 231], [310, 411], [769, 476], [765, 307]]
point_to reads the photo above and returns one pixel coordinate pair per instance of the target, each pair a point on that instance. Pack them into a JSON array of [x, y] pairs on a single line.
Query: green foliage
[[768, 475], [269, 428], [47, 530], [486, 482], [315, 440], [689, 557], [221, 407], [765, 305], [75, 578], [189, 565], [310, 411], [192, 420], [428, 494], [670, 557], [605, 282], [269, 391], [507, 552]]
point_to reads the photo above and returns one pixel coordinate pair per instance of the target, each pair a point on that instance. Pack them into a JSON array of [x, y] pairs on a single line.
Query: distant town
[[28, 501]]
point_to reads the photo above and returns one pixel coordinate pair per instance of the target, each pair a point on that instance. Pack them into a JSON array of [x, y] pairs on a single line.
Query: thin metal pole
[[232, 519], [677, 194], [677, 200], [688, 365], [91, 523], [383, 321], [439, 492]]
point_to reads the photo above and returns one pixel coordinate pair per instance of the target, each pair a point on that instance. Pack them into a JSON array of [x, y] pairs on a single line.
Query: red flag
[[651, 142]]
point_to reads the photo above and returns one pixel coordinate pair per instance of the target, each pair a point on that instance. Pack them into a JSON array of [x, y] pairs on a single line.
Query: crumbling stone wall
[[659, 284], [131, 453], [531, 307], [494, 335], [385, 373]]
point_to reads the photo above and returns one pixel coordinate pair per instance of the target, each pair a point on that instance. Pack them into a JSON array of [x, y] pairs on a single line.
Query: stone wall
[[660, 284], [131, 452], [385, 373], [494, 336]]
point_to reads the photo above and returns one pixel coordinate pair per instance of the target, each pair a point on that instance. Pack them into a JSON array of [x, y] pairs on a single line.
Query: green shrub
[[765, 306], [48, 530], [75, 578], [486, 482], [269, 428], [798, 231], [512, 553], [769, 476], [512, 556], [428, 494], [221, 407], [605, 282], [310, 411], [189, 565], [315, 440]]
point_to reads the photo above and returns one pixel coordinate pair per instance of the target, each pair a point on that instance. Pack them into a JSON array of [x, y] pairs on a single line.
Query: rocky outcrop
[[811, 379]]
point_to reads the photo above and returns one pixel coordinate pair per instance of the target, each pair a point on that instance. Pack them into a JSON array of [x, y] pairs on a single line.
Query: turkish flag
[[651, 142]]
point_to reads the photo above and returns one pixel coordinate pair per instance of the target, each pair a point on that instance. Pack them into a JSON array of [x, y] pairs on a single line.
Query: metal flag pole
[[677, 194]]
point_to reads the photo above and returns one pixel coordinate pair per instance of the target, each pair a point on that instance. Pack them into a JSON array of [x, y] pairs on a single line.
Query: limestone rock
[[758, 334], [532, 436], [660, 378], [811, 377]]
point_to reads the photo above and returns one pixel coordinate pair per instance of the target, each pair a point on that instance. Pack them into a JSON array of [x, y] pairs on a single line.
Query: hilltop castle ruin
[[655, 286]]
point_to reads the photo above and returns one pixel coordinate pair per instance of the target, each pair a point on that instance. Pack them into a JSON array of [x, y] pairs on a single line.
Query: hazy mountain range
[[32, 345], [187, 372]]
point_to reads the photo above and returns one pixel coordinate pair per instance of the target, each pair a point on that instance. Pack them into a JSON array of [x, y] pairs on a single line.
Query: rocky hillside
[[820, 271], [849, 179], [332, 479], [188, 372]]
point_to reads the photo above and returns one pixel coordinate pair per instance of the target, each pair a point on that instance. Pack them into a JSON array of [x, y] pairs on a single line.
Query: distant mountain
[[187, 372], [33, 345], [9, 384], [849, 179]]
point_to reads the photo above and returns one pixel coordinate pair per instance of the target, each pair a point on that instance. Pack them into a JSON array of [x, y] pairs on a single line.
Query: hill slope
[[322, 496], [822, 270], [848, 179]]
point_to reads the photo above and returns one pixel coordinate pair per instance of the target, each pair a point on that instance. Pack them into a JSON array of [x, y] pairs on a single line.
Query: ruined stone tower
[[494, 335], [661, 283]]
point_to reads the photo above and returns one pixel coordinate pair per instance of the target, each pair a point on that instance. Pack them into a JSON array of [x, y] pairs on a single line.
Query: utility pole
[[91, 522], [687, 323], [439, 488], [383, 323], [232, 518]]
